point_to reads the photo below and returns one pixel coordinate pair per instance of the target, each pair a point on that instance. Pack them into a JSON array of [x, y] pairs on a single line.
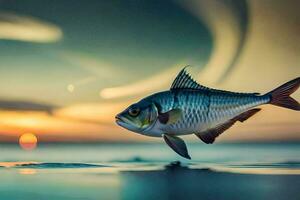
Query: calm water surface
[[148, 171]]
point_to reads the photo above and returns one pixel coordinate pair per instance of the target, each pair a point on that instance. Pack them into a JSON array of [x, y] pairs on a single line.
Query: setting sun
[[28, 141]]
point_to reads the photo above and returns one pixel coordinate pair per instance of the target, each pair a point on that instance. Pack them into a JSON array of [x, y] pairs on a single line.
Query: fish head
[[138, 117]]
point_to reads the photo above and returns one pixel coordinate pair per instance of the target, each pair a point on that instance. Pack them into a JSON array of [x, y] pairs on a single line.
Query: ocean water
[[150, 171]]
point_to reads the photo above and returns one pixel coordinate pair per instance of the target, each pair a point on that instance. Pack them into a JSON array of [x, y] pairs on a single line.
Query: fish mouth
[[125, 123], [120, 120]]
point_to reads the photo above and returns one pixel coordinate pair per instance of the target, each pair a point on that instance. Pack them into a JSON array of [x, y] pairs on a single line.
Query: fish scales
[[191, 108], [202, 109]]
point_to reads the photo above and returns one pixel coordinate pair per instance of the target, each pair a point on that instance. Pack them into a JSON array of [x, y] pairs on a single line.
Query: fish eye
[[134, 112]]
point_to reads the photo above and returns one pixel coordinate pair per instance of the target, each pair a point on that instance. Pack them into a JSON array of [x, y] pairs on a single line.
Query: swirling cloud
[[228, 38], [147, 85], [28, 29], [223, 19]]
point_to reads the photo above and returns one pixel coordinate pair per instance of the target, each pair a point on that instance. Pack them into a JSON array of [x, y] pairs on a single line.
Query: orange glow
[[28, 141], [14, 164], [27, 171]]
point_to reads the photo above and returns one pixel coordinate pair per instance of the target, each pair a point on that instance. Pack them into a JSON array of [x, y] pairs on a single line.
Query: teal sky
[[67, 67], [136, 39]]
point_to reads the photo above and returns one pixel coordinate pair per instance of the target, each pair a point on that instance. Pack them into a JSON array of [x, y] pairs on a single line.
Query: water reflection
[[181, 182], [151, 180], [27, 171]]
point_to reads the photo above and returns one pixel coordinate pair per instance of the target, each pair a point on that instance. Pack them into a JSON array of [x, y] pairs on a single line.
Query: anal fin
[[210, 135], [246, 115]]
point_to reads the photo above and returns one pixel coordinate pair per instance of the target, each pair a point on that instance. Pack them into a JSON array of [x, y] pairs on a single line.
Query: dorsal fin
[[184, 81]]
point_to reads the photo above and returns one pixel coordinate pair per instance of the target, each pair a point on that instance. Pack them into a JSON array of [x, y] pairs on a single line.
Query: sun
[[28, 141]]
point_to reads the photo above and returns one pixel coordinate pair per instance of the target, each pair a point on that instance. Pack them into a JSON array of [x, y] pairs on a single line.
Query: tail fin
[[281, 95]]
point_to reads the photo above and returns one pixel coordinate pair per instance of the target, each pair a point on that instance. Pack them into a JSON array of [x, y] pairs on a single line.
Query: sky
[[67, 68]]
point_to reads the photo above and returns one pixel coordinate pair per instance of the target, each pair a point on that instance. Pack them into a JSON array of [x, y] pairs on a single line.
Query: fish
[[191, 108]]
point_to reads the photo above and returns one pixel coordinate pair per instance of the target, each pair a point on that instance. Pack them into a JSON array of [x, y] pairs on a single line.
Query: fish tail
[[281, 95]]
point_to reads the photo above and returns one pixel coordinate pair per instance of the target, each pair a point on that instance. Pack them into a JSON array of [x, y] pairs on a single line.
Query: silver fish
[[191, 108]]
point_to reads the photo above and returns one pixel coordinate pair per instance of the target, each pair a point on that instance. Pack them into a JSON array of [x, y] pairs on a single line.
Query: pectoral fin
[[177, 144], [170, 117], [210, 135]]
